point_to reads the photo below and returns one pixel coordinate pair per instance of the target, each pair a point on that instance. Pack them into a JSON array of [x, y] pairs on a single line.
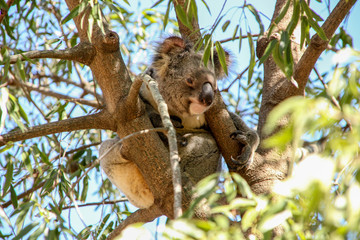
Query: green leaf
[[193, 11], [249, 218], [5, 61], [312, 22], [240, 203], [21, 69], [242, 185], [257, 17], [8, 146], [90, 27], [157, 3], [73, 13], [183, 17], [225, 25], [268, 51], [274, 221], [85, 188], [235, 31], [26, 230], [166, 17], [8, 176], [252, 57], [36, 234], [3, 5], [207, 50], [206, 5], [294, 18], [316, 16], [240, 40], [222, 56], [305, 30], [14, 199], [279, 17], [103, 222]]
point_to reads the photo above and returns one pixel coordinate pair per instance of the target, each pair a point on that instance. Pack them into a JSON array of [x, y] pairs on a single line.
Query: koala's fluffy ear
[[219, 71], [172, 45]]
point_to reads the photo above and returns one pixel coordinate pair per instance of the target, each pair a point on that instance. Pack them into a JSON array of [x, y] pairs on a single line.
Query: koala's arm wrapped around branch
[[171, 134], [227, 127]]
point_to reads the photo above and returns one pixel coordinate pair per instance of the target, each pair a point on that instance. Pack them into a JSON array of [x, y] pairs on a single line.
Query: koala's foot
[[251, 141]]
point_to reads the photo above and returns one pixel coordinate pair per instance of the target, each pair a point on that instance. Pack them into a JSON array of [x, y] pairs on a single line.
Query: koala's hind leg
[[125, 175]]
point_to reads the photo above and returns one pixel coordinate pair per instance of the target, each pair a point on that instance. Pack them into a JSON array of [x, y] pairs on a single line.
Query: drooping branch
[[84, 53], [100, 120]]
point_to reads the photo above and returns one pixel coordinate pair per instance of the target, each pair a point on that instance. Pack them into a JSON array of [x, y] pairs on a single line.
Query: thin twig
[[237, 37], [239, 76], [48, 92], [333, 99], [171, 134], [97, 203]]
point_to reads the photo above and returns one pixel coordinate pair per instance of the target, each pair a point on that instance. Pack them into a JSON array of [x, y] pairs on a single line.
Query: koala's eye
[[190, 82]]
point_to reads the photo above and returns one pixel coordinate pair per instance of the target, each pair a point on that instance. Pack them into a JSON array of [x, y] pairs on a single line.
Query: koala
[[188, 88]]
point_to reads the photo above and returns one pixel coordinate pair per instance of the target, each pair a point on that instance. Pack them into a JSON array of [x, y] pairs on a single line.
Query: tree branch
[[84, 53], [171, 134], [100, 120], [141, 215]]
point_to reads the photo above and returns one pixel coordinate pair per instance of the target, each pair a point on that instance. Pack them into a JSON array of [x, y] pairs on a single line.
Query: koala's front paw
[[251, 141], [240, 136]]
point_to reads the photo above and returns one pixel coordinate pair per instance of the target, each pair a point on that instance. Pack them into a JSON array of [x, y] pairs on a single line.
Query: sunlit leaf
[[222, 56], [26, 230], [225, 25], [252, 58], [312, 22]]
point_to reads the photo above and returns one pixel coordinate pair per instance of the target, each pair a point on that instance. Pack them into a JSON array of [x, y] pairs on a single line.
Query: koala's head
[[188, 87]]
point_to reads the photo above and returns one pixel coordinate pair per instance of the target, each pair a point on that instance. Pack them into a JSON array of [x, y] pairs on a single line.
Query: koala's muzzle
[[207, 94]]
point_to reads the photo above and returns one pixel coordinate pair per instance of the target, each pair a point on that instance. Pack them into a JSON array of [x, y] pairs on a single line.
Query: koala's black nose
[[207, 94]]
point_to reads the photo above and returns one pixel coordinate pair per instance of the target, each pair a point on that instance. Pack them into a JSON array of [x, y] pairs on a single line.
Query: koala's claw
[[240, 136], [241, 161], [251, 141]]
